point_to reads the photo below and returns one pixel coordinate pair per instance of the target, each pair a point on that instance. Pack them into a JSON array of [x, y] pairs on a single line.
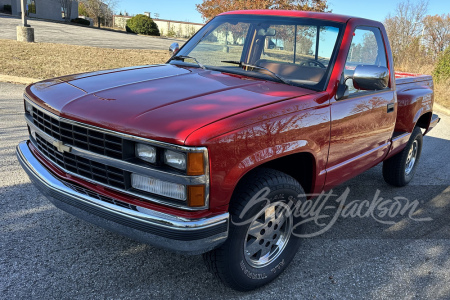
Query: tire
[[260, 244], [399, 170]]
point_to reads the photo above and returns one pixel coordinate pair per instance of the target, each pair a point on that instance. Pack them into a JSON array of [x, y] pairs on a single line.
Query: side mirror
[[370, 78], [174, 49]]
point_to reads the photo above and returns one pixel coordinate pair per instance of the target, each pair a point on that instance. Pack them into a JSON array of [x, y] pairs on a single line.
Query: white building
[[43, 9], [166, 27]]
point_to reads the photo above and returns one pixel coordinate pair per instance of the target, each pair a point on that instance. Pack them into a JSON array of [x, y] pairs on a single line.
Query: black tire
[[397, 170], [229, 262]]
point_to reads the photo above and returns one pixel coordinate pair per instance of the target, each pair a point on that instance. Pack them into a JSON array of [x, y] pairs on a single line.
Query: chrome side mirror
[[370, 78], [174, 49]]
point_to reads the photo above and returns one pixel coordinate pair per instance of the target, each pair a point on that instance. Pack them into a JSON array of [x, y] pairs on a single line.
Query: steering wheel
[[313, 63]]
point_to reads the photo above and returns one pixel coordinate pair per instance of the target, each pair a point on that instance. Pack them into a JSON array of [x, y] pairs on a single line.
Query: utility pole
[[24, 13], [24, 33]]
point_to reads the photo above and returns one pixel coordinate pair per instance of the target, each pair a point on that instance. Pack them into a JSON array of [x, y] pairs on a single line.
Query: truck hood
[[161, 102]]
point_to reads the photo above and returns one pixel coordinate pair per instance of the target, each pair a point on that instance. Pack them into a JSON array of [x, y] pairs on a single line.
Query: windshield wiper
[[181, 57], [243, 64]]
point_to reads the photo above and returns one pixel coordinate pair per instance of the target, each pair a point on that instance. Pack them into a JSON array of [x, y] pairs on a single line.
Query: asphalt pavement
[[60, 33], [46, 253]]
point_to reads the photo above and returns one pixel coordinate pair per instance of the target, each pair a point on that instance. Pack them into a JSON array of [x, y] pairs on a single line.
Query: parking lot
[[49, 254], [60, 33]]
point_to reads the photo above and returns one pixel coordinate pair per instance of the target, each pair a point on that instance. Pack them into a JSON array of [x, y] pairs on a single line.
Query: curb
[[441, 109], [17, 79]]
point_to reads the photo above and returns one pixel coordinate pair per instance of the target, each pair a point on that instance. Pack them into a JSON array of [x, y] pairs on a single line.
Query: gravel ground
[[49, 32], [48, 254]]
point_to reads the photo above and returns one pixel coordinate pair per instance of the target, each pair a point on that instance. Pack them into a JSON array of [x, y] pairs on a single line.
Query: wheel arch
[[424, 121], [301, 166]]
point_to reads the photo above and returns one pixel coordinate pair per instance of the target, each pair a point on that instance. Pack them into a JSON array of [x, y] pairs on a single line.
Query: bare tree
[[100, 9], [437, 33], [405, 26], [66, 6]]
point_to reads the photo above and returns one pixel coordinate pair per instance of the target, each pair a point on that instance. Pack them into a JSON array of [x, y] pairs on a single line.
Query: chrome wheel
[[268, 235], [411, 159]]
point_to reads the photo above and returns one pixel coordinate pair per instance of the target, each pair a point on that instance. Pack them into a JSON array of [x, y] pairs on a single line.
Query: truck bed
[[415, 99], [402, 78]]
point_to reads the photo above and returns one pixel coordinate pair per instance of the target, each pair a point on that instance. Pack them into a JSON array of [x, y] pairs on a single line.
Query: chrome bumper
[[158, 229], [434, 121]]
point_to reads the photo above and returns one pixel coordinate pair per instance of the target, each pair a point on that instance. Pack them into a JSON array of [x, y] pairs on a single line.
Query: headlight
[[29, 107], [175, 159], [156, 186], [146, 152]]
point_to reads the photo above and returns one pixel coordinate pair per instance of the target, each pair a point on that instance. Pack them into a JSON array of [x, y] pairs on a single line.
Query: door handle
[[390, 107]]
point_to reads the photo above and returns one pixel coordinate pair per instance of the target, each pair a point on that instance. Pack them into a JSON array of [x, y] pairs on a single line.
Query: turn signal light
[[196, 195], [195, 164]]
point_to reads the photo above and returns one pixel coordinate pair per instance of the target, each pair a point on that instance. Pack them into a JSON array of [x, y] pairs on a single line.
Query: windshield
[[292, 50]]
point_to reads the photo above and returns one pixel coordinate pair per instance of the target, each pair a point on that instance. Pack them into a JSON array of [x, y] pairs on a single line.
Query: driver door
[[362, 124]]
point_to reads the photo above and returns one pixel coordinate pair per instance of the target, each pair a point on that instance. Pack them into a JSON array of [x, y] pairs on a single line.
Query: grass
[[441, 89], [46, 60], [442, 93]]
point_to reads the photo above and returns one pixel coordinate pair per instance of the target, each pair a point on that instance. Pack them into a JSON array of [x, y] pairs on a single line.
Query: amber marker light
[[195, 164], [196, 195]]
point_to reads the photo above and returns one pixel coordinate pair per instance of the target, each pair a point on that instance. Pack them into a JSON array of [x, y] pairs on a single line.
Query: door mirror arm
[[342, 90]]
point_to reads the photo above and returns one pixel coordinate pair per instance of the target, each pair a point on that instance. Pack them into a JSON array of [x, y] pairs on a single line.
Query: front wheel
[[261, 243], [399, 170]]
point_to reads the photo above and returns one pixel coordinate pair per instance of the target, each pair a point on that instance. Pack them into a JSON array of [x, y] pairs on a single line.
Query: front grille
[[87, 139], [97, 196], [87, 168]]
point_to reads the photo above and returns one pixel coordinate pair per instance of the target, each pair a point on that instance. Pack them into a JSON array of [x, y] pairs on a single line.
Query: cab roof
[[291, 13]]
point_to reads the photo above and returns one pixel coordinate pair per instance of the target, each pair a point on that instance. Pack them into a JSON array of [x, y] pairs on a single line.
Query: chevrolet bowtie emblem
[[61, 147]]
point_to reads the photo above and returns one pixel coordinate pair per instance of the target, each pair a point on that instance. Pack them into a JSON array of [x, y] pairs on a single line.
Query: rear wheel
[[399, 170], [261, 243]]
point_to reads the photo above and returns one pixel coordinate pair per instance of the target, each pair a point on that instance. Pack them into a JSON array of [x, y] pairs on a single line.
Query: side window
[[367, 48]]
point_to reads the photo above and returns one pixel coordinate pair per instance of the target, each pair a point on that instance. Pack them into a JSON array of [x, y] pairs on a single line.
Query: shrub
[[171, 32], [442, 70], [7, 8], [81, 21], [142, 24]]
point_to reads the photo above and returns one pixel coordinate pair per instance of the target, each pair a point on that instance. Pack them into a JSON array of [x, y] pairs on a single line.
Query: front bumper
[[158, 229]]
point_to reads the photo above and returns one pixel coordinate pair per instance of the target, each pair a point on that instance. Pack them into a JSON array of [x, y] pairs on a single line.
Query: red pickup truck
[[264, 104]]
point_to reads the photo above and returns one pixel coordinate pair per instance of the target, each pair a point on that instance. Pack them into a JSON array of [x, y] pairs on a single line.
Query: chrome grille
[[87, 168], [88, 139], [97, 196]]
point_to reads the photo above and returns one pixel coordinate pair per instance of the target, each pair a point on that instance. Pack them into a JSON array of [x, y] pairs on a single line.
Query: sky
[[184, 10]]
